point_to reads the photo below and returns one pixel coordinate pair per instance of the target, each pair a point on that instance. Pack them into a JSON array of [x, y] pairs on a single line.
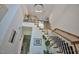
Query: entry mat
[[37, 41]]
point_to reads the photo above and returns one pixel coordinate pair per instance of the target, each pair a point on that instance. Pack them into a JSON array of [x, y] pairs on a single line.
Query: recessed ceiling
[[57, 10], [47, 9]]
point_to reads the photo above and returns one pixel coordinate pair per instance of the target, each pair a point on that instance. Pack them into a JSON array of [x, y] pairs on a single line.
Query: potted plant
[[47, 43], [46, 51], [44, 37]]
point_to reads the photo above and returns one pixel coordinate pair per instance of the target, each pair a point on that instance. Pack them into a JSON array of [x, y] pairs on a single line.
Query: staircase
[[57, 44], [47, 37]]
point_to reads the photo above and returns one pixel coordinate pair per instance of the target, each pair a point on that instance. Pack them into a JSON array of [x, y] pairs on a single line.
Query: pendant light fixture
[[39, 8]]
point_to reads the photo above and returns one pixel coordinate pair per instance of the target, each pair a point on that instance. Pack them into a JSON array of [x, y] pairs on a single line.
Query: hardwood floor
[[26, 44]]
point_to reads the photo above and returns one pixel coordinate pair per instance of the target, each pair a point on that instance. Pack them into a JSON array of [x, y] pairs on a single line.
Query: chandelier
[[39, 8]]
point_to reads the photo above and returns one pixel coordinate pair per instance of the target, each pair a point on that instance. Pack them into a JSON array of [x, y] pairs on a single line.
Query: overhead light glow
[[38, 11], [38, 8]]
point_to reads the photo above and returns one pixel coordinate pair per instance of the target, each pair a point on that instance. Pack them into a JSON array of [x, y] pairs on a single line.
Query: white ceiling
[[47, 11], [55, 9]]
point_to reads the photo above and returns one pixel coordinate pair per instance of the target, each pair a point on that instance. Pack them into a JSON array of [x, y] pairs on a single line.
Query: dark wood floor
[[26, 44]]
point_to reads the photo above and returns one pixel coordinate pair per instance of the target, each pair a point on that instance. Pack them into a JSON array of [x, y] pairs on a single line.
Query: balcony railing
[[66, 42]]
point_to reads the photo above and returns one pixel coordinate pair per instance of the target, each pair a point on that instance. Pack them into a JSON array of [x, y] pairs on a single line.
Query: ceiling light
[[38, 8], [39, 11]]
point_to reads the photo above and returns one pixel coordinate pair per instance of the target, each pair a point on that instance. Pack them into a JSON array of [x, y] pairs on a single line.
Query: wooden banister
[[69, 36], [74, 39]]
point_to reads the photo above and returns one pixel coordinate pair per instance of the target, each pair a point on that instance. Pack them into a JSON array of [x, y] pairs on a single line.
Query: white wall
[[26, 30], [12, 21], [3, 11], [5, 23], [66, 17]]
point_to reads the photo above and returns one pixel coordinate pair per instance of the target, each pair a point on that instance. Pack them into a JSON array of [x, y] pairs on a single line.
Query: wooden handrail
[[69, 36]]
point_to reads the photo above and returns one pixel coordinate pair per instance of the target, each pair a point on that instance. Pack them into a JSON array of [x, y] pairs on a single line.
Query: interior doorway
[[26, 44], [26, 40]]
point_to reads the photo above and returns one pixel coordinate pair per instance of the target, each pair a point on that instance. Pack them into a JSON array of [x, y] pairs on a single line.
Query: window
[[41, 24], [12, 36]]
